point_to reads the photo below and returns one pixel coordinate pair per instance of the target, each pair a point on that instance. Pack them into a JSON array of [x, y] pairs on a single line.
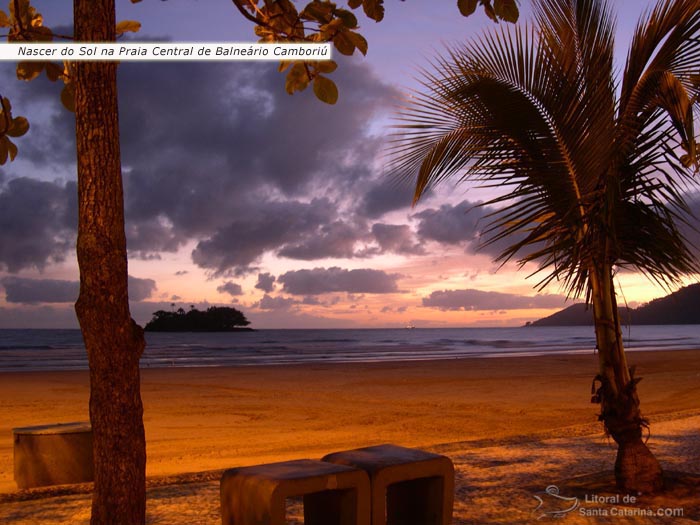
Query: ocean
[[33, 350]]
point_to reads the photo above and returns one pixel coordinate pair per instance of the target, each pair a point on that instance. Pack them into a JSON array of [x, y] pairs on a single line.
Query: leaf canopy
[[590, 177]]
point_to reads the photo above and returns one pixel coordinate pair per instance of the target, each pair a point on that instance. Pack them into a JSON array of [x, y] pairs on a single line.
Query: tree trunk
[[114, 342], [636, 468]]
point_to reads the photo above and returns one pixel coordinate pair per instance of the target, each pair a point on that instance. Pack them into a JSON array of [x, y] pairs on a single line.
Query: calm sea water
[[63, 349]]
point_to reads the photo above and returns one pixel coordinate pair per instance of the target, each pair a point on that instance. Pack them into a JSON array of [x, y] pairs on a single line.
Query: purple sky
[[237, 193]]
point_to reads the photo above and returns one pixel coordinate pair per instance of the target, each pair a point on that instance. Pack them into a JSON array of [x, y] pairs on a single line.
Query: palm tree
[[595, 166]]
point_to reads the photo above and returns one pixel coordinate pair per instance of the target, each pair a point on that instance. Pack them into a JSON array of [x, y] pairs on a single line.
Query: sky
[[238, 194]]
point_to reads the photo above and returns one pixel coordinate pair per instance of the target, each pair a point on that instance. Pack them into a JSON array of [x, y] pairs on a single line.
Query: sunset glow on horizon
[[238, 194]]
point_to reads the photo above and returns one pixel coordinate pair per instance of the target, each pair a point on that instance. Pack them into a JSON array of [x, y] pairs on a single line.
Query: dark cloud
[[145, 240], [466, 224], [691, 231], [327, 280], [386, 195], [51, 139], [38, 223], [470, 299], [396, 238], [275, 303], [337, 239], [34, 291], [140, 289], [210, 149], [450, 224], [266, 282], [42, 316], [312, 300], [263, 228], [230, 151], [230, 288]]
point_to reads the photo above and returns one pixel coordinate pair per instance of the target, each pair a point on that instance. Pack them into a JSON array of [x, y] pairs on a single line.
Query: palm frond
[[589, 177]]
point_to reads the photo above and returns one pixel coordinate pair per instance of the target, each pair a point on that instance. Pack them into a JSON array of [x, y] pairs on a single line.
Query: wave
[[64, 350]]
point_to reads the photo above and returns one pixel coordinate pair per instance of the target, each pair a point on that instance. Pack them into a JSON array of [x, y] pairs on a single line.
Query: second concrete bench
[[408, 486]]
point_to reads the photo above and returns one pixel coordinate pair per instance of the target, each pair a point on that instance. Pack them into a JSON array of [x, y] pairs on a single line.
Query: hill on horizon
[[680, 307]]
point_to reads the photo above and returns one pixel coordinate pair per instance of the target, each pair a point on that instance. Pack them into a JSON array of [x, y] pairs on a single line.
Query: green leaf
[[11, 149], [349, 19], [325, 90], [297, 78], [4, 20], [374, 9], [18, 127], [29, 70], [467, 7], [326, 66], [507, 10], [68, 97], [128, 25], [358, 41]]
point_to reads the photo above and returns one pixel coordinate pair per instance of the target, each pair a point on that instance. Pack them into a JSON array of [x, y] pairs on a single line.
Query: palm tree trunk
[[114, 342], [636, 468]]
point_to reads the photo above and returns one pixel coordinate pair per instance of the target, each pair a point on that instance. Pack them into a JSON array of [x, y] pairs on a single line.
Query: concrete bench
[[332, 494], [408, 486], [54, 454]]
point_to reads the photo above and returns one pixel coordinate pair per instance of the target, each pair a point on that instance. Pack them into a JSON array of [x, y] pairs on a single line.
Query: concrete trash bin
[[53, 454]]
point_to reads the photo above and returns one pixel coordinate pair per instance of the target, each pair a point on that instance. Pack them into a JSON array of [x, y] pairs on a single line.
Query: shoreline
[[331, 361]]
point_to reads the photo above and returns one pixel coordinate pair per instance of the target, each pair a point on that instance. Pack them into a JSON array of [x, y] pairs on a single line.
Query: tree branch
[[245, 13], [18, 16]]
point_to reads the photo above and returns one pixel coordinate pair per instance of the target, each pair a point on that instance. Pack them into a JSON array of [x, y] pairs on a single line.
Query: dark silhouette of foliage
[[214, 319]]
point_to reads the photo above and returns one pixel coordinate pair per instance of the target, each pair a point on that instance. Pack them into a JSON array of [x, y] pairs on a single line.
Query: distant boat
[[409, 326]]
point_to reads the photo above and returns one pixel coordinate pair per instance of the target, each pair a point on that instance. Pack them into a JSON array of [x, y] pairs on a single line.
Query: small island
[[214, 319]]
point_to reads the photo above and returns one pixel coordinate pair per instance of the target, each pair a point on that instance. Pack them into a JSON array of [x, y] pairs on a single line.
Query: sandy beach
[[512, 426]]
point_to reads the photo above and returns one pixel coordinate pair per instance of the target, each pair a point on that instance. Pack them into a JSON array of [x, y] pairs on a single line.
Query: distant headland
[[680, 307], [214, 319]]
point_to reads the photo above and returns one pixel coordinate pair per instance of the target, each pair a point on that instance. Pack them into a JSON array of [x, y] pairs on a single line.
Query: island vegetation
[[213, 319]]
